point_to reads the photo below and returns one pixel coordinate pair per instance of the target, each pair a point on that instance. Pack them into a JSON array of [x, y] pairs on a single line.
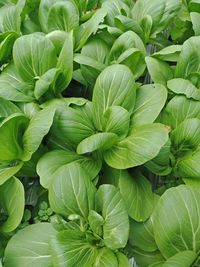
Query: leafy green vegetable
[[99, 133]]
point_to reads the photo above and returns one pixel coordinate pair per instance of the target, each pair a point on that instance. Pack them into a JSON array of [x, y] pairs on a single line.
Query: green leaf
[[186, 135], [142, 235], [71, 120], [145, 259], [53, 160], [89, 27], [33, 55], [93, 58], [181, 259], [12, 202], [170, 53], [65, 63], [62, 15], [180, 108], [30, 246], [123, 260], [159, 70], [8, 169], [115, 86], [71, 192], [13, 87], [129, 50], [150, 100], [29, 109], [125, 24], [161, 11], [189, 58], [176, 221], [187, 166], [116, 226], [114, 8], [161, 164], [88, 61], [7, 40], [142, 145], [99, 141], [70, 249], [58, 39], [11, 132], [195, 17], [7, 108], [116, 120], [137, 195], [38, 127], [96, 221], [46, 82], [184, 87], [10, 20], [105, 258]]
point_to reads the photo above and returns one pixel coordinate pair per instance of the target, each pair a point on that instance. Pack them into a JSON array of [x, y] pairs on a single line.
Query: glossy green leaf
[[150, 100], [161, 164], [8, 169], [72, 125], [33, 55], [65, 63], [162, 12], [71, 192], [38, 127], [46, 82], [116, 226], [181, 259], [70, 249], [142, 145], [96, 222], [123, 260], [116, 120], [7, 40], [11, 132], [186, 135], [53, 160], [13, 87], [93, 59], [159, 70], [145, 259], [142, 235], [170, 53], [62, 15], [12, 204], [89, 27], [114, 8], [134, 59], [7, 108], [195, 17], [106, 258], [180, 108], [187, 166], [10, 20], [30, 246], [99, 141], [115, 86], [58, 39], [189, 58], [137, 195], [176, 221], [184, 87]]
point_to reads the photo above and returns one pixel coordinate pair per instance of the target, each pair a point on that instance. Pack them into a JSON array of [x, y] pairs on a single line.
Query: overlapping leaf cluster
[[99, 133]]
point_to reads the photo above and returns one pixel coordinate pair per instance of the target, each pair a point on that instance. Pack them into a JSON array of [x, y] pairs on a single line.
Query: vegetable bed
[[99, 133]]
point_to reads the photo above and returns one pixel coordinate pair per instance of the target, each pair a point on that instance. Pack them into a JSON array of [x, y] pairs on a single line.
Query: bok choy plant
[[99, 133]]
